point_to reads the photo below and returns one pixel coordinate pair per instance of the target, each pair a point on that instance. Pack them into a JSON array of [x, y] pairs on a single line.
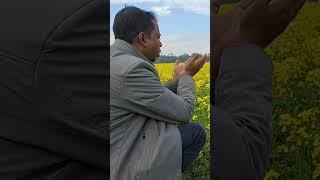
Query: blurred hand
[[256, 22], [191, 67], [178, 68], [194, 64]]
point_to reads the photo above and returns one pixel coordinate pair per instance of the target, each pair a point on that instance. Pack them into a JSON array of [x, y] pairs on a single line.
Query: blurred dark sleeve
[[170, 86], [242, 114]]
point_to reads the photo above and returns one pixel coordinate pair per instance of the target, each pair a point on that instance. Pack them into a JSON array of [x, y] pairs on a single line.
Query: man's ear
[[142, 38]]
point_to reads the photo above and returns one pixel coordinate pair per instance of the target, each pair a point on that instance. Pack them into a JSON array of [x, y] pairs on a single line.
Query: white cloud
[[196, 6], [161, 10], [165, 7], [179, 44]]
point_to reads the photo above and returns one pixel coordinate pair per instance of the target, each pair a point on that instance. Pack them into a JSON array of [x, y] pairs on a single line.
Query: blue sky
[[184, 24]]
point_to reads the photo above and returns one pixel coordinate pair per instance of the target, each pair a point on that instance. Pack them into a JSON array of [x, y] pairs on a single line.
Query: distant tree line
[[172, 58]]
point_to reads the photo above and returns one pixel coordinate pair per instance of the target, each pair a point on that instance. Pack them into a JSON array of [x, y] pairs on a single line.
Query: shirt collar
[[128, 48]]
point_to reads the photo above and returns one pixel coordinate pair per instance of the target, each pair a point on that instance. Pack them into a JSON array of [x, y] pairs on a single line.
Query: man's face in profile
[[154, 43]]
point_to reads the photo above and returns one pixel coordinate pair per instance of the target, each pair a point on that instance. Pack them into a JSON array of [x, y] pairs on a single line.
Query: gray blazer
[[242, 115], [145, 142]]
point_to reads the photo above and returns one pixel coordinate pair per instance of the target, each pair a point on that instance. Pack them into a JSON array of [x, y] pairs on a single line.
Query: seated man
[[151, 136]]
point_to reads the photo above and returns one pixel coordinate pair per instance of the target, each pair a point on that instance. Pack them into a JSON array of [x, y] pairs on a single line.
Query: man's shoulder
[[117, 56], [124, 62], [38, 18]]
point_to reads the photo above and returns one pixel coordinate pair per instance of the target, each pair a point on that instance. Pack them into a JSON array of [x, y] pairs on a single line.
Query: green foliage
[[296, 91], [200, 168], [172, 58]]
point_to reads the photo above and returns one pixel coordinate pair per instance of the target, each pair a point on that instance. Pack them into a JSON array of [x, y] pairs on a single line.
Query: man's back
[[52, 88]]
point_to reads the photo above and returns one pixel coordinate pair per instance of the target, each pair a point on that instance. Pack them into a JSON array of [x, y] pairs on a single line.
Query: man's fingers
[[197, 56], [176, 64], [200, 56], [200, 62], [192, 59], [188, 60], [204, 59]]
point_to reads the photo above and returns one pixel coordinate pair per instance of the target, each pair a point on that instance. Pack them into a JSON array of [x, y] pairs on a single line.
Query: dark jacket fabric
[[53, 76], [242, 114]]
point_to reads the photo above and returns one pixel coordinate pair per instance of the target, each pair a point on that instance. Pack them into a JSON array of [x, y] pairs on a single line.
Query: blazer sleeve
[[169, 86], [70, 89], [144, 94], [242, 114]]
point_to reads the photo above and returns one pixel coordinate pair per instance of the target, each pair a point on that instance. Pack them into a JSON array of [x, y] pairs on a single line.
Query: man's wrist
[[175, 81], [186, 73]]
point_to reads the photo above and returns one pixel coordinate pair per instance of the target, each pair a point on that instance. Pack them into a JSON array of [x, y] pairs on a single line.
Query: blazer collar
[[128, 48]]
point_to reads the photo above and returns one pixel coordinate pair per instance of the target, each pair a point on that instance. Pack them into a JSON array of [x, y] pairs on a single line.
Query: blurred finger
[[197, 56], [188, 60], [204, 60], [200, 62], [176, 63], [201, 59], [192, 59]]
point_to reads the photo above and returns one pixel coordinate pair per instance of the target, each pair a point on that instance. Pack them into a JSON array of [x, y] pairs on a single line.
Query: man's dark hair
[[130, 21]]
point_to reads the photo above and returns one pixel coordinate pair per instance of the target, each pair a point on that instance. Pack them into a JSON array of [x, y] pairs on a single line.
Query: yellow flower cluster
[[296, 95]]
